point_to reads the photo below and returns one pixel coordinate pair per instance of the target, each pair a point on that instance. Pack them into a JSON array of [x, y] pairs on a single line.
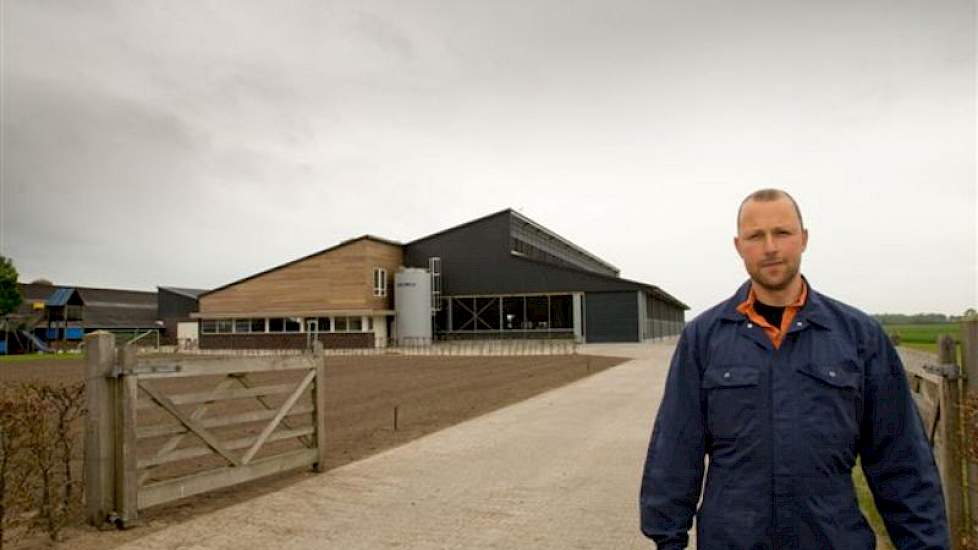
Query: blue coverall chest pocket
[[829, 400], [731, 393]]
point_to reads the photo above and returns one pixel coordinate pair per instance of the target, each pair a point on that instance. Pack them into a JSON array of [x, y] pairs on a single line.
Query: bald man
[[783, 388]]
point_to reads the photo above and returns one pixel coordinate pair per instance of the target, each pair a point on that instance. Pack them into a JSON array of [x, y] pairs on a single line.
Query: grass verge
[[32, 357], [868, 508]]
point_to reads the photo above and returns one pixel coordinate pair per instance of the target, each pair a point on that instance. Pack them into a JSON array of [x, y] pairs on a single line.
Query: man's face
[[770, 240]]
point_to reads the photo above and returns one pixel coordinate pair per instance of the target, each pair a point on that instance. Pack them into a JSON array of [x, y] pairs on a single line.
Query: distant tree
[[42, 281], [915, 319], [10, 296], [969, 313]]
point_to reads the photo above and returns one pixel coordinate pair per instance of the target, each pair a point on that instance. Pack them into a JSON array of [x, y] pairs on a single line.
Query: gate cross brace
[[242, 379], [286, 407], [174, 441], [191, 424]]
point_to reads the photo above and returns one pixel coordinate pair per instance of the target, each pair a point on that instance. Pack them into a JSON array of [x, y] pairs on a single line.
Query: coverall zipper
[[770, 410]]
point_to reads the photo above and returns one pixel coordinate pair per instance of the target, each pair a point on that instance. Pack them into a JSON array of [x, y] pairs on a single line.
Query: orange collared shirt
[[776, 334]]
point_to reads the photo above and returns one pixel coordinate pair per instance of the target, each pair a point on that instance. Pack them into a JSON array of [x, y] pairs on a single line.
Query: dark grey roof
[[110, 308], [192, 293], [527, 221], [459, 226], [119, 317], [35, 292], [103, 307]]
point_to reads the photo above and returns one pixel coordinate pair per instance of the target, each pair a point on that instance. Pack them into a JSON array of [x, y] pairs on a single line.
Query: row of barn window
[[554, 312], [286, 324]]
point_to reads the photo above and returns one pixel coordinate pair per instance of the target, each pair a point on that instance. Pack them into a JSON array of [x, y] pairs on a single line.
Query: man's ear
[[804, 239], [736, 242]]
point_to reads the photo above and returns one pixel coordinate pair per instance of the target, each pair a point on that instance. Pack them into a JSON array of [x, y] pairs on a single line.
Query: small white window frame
[[380, 282]]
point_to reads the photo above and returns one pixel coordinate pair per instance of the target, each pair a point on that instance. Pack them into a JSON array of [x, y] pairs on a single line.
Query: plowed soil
[[429, 393]]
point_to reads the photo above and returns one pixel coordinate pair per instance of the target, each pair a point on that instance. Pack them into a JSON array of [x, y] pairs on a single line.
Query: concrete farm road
[[558, 471]]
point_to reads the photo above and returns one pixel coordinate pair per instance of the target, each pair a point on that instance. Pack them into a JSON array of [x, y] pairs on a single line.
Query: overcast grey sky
[[194, 143]]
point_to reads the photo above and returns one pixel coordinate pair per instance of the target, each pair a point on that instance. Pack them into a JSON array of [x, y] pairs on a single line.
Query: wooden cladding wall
[[337, 279]]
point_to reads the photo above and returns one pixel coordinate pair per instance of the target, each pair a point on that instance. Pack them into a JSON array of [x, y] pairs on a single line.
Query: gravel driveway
[[560, 470]]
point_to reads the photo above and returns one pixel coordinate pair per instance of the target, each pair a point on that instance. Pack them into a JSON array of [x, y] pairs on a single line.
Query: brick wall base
[[331, 340]]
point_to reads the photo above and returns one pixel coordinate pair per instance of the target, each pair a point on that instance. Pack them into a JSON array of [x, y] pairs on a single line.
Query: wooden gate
[[934, 383], [123, 457]]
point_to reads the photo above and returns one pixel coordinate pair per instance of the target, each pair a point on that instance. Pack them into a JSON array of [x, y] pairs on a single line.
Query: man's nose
[[770, 245]]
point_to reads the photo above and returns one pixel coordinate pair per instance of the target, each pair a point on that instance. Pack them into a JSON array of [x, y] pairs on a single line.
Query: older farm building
[[58, 317], [500, 276]]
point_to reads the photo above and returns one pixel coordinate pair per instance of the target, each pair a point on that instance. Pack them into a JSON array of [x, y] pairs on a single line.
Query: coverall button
[[799, 323], [750, 325], [727, 374], [832, 373]]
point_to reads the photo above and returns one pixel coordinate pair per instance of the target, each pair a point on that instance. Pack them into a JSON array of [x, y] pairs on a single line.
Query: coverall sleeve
[[897, 458], [673, 472]]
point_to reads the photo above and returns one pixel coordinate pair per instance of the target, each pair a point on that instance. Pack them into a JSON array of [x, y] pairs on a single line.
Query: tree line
[[923, 318]]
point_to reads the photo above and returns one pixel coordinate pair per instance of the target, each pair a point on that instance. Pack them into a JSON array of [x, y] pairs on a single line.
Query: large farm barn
[[500, 276]]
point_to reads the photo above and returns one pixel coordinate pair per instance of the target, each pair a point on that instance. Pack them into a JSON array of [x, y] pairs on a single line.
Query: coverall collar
[[813, 312]]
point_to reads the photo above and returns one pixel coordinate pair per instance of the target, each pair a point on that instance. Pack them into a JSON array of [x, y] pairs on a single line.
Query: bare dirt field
[[430, 393]]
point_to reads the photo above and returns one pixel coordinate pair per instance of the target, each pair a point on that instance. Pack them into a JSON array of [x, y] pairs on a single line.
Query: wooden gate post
[[126, 474], [969, 364], [950, 432], [319, 406], [99, 427]]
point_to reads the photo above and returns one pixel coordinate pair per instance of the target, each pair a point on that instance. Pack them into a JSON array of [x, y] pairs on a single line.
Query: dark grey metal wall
[[472, 255], [174, 306], [611, 316], [476, 260]]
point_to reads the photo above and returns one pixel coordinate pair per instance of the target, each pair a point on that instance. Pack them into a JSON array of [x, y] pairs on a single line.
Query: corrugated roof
[[116, 317], [192, 293], [103, 307], [62, 296]]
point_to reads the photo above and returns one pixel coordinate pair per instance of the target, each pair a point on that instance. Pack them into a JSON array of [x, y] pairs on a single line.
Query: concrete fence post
[[100, 394]]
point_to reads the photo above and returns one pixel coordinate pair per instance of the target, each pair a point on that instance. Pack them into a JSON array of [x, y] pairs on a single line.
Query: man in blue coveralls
[[783, 388]]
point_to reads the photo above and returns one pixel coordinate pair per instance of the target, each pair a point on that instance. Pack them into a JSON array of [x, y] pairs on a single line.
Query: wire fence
[[474, 348]]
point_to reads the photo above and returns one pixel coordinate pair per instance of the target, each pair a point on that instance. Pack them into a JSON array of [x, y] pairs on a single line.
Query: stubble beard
[[775, 284]]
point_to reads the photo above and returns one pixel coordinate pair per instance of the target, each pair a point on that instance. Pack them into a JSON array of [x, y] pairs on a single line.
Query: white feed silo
[[412, 306]]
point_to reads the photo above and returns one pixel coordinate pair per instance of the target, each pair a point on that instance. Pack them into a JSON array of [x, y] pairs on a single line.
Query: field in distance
[[923, 336]]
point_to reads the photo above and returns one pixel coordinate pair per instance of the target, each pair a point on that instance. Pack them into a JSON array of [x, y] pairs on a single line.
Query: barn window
[[208, 326], [380, 282], [562, 311], [355, 324], [323, 324]]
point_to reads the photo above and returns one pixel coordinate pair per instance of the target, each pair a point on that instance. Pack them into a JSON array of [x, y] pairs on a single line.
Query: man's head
[[771, 238]]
